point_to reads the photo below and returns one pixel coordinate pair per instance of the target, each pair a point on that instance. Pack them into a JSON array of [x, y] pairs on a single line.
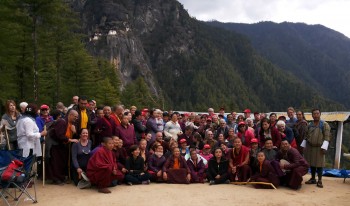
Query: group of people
[[114, 145]]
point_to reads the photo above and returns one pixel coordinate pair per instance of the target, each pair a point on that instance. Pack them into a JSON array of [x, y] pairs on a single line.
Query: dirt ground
[[335, 192]]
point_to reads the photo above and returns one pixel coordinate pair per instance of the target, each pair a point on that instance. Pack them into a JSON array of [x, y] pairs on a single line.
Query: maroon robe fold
[[100, 168], [266, 174], [243, 172], [176, 176], [297, 168]]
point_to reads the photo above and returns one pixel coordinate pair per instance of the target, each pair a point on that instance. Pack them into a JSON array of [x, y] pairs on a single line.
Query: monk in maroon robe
[[239, 162], [102, 168], [296, 168], [58, 143], [265, 173]]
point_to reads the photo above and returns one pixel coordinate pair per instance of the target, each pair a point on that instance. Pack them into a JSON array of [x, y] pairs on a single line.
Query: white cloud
[[330, 13]]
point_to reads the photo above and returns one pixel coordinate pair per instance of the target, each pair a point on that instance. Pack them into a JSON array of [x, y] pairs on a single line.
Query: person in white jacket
[[28, 133], [172, 128]]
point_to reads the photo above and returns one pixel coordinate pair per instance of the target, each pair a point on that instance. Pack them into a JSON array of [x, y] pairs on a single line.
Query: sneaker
[[319, 184], [212, 182], [310, 181], [129, 183], [227, 182], [104, 190]]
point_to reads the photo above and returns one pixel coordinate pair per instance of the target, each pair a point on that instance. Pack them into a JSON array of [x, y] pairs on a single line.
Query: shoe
[[146, 182], [319, 184], [212, 182], [104, 190], [310, 181], [227, 182], [129, 183]]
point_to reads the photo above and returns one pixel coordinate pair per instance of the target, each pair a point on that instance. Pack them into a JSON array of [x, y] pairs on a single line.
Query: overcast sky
[[334, 14]]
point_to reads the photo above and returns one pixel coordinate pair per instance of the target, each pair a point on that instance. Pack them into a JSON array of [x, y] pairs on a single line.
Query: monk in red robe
[[102, 168], [239, 162]]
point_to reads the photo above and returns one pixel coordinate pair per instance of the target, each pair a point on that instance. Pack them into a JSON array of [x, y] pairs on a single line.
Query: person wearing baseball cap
[[254, 149], [247, 113], [184, 149], [44, 117], [206, 153]]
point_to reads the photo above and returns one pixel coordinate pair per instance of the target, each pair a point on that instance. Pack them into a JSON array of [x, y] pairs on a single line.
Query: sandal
[[319, 184], [311, 181]]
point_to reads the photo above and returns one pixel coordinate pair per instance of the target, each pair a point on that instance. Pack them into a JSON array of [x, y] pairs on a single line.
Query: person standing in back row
[[317, 141]]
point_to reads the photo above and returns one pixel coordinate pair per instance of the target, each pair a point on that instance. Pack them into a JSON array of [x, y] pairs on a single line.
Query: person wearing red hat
[[44, 117], [184, 149], [253, 153], [247, 113], [206, 153]]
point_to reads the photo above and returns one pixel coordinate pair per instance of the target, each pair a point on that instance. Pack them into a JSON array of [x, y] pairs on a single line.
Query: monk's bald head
[[72, 116]]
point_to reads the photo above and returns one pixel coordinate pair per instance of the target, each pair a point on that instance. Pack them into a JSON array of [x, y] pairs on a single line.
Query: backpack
[[12, 172]]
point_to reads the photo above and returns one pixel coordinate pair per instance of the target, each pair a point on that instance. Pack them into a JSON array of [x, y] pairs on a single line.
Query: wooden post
[[338, 145]]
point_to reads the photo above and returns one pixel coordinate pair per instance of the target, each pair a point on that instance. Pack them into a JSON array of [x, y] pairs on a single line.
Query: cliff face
[[117, 30], [193, 65]]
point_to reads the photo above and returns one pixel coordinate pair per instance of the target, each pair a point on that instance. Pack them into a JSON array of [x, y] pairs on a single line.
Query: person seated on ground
[[198, 143], [143, 150], [217, 172], [135, 165], [80, 155], [184, 149], [206, 153], [122, 153], [245, 134], [155, 164], [102, 168], [253, 154], [116, 150], [239, 162], [269, 151], [175, 169], [295, 167], [196, 165], [265, 173]]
